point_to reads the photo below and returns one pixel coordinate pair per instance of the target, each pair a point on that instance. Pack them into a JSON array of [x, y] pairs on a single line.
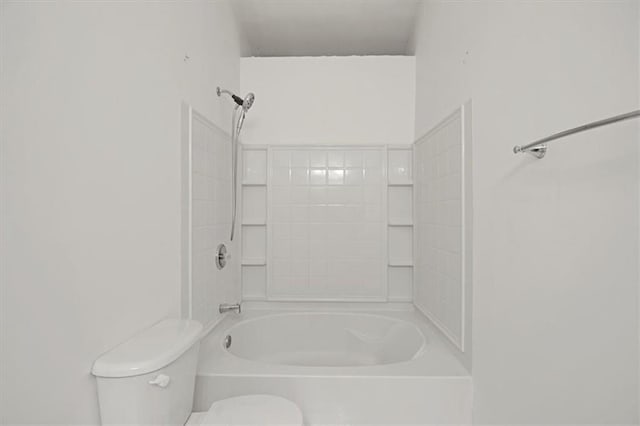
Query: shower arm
[[237, 99], [220, 91]]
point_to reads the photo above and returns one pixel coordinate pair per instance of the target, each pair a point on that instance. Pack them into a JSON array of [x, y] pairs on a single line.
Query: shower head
[[244, 103], [248, 101]]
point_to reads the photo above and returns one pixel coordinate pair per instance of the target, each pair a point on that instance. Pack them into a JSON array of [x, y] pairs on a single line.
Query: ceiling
[[327, 27]]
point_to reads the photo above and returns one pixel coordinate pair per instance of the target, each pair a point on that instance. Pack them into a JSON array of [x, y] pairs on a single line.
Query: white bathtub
[[364, 367], [320, 339]]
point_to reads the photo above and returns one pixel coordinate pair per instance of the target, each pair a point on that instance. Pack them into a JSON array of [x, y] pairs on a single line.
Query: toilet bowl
[[150, 379]]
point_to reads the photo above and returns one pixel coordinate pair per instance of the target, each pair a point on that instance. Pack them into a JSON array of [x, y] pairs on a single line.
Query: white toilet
[[150, 379]]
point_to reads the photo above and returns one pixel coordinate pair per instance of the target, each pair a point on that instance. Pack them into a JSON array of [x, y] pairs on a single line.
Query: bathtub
[[320, 339], [364, 365]]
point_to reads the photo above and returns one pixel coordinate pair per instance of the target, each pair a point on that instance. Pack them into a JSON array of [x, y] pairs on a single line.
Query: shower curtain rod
[[538, 148]]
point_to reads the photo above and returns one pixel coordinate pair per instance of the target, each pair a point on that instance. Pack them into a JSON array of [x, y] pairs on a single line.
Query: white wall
[[555, 240], [329, 100], [91, 98]]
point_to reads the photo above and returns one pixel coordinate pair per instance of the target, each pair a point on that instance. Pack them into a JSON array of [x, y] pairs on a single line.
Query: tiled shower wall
[[207, 204], [442, 187], [316, 224], [327, 216]]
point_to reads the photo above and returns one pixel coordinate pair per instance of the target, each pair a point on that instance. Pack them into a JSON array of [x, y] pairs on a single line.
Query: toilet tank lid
[[150, 350]]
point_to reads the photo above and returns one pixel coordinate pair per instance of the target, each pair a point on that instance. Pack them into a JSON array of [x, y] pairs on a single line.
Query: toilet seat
[[253, 410]]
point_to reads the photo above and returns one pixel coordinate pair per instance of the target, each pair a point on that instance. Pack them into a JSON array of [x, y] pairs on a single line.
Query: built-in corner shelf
[[254, 222], [400, 223], [400, 262], [259, 261]]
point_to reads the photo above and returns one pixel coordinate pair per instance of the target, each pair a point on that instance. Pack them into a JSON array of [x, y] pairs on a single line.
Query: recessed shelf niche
[[400, 224], [254, 223]]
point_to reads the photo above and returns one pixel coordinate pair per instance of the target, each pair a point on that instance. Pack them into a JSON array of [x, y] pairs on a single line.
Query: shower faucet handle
[[222, 256]]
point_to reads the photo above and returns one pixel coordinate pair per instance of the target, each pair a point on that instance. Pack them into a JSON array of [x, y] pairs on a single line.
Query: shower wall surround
[[443, 226], [317, 224], [207, 196]]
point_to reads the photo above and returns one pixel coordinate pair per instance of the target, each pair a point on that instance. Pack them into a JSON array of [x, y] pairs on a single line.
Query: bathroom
[[393, 259]]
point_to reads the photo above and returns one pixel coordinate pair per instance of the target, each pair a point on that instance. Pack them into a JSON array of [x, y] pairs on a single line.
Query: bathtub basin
[[316, 339]]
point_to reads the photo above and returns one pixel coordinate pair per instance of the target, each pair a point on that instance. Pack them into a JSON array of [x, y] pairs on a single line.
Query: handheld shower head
[[236, 127], [244, 103], [248, 101]]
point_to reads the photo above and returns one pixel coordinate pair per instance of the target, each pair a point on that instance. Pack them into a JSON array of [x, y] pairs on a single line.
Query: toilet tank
[[150, 378]]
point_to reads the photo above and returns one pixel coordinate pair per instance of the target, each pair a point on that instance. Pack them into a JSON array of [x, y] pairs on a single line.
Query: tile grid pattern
[[210, 219], [327, 223], [438, 291]]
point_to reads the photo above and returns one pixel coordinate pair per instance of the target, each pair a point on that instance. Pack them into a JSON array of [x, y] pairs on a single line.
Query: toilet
[[150, 379]]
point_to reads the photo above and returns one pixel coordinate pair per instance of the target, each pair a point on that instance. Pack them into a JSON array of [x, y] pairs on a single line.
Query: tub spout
[[226, 307]]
